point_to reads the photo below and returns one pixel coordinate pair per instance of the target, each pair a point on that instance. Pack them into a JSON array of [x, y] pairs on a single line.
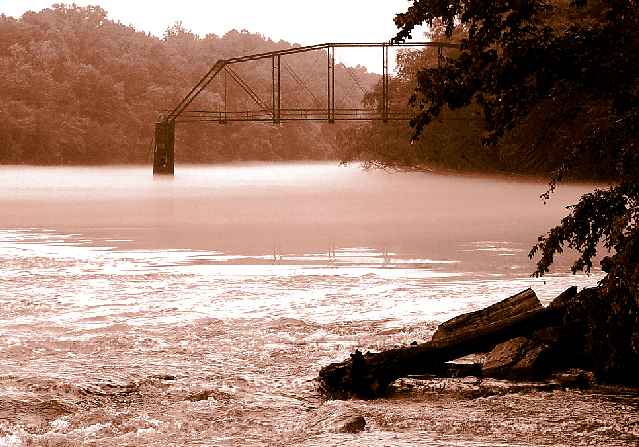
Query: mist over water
[[249, 208], [197, 310]]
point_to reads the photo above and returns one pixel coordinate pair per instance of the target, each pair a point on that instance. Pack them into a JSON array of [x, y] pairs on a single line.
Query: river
[[197, 310]]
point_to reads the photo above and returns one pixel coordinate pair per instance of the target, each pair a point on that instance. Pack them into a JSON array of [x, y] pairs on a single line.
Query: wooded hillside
[[78, 88]]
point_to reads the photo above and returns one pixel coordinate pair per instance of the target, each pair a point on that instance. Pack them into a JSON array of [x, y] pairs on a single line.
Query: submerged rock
[[335, 418], [196, 397], [575, 378], [349, 424], [207, 394]]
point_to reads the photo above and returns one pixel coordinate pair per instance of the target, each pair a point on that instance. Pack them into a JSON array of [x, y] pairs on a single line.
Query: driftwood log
[[510, 307], [369, 375]]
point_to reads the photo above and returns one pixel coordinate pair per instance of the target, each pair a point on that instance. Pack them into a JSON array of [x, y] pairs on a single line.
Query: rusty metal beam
[[249, 91], [330, 92], [293, 114]]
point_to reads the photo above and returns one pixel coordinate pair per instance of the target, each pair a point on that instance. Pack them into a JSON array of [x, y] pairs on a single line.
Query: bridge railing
[[290, 114]]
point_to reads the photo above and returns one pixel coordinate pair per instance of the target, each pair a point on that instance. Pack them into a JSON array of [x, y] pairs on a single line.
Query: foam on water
[[231, 349]]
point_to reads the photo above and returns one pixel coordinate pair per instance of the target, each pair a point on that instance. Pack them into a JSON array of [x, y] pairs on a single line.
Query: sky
[[296, 21]]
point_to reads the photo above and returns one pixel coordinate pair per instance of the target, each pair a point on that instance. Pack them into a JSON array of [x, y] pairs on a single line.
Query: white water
[[127, 301]]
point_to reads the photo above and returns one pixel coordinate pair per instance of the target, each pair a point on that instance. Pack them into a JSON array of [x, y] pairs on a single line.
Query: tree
[[452, 140], [576, 64]]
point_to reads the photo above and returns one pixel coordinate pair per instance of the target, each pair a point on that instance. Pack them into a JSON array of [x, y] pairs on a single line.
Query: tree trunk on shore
[[368, 375], [470, 322]]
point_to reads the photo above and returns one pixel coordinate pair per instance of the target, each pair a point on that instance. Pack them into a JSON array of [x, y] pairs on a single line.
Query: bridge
[[272, 111]]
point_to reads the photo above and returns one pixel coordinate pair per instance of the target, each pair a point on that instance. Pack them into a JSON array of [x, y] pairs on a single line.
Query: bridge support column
[[164, 148]]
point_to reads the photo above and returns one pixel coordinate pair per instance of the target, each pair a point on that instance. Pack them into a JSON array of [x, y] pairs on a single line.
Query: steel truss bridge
[[272, 111]]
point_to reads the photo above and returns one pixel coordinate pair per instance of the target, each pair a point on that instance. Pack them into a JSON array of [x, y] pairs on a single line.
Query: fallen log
[[515, 305], [369, 375]]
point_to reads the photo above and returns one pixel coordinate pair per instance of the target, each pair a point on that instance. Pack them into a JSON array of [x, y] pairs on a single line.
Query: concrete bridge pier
[[164, 148]]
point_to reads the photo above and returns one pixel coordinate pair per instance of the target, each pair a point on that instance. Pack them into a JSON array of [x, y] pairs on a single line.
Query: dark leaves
[[524, 55]]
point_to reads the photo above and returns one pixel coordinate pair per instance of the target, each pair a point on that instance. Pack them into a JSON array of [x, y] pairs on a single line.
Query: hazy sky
[[305, 22]]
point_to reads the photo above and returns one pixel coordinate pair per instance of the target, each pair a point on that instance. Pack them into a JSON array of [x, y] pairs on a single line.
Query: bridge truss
[[272, 111]]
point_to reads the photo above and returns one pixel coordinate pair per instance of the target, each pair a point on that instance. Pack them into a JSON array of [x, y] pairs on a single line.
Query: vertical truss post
[[223, 118], [440, 57], [331, 85], [385, 84], [276, 101], [279, 89]]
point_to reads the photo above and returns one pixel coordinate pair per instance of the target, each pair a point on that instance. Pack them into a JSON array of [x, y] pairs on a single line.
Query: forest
[[79, 88]]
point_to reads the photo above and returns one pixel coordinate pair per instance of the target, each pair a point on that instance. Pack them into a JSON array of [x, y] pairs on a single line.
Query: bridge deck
[[296, 114]]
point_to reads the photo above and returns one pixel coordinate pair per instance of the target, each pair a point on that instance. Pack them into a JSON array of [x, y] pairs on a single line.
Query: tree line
[[79, 88], [456, 128]]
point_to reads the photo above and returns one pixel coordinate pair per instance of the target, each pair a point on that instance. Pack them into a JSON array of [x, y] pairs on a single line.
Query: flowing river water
[[198, 310]]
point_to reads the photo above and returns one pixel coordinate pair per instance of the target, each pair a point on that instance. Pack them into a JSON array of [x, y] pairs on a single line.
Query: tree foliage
[[519, 58], [452, 140]]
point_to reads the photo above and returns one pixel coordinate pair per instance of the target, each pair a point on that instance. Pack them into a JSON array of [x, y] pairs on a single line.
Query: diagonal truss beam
[[195, 91], [249, 91], [301, 83]]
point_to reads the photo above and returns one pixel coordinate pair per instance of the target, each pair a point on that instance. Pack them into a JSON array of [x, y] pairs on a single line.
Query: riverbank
[[579, 338]]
